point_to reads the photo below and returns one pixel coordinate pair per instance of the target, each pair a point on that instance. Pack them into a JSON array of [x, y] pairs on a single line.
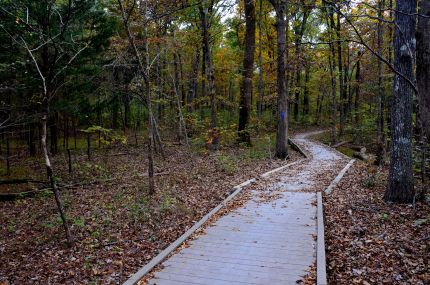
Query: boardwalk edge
[[339, 177], [321, 261], [296, 147], [321, 257]]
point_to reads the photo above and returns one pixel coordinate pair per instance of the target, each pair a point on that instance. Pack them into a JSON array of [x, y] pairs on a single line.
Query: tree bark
[[50, 174], [341, 82], [260, 61], [423, 65], [297, 41], [332, 65], [306, 93], [192, 92], [147, 90], [380, 153], [204, 15], [357, 91], [400, 179], [281, 151], [247, 73]]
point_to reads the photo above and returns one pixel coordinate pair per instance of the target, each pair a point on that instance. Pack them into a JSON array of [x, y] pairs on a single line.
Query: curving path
[[268, 240]]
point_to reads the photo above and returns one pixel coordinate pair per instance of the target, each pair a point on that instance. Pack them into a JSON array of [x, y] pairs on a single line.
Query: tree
[[299, 29], [423, 83], [400, 181], [247, 73], [260, 60], [423, 65], [380, 121], [281, 151], [53, 35], [147, 90], [206, 13]]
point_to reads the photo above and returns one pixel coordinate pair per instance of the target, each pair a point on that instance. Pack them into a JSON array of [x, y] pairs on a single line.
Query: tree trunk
[[54, 135], [297, 94], [332, 65], [400, 179], [282, 111], [192, 92], [357, 91], [423, 65], [306, 94], [50, 173], [147, 90], [341, 82], [260, 61], [423, 82], [380, 153], [247, 73], [299, 31], [204, 15]]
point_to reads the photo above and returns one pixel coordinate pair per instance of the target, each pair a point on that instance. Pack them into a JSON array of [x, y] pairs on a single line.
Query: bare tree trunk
[[247, 73], [192, 93], [423, 64], [390, 60], [298, 35], [357, 91], [156, 137], [204, 17], [297, 93], [260, 61], [380, 153], [341, 82], [332, 65], [147, 95], [423, 82], [400, 179], [176, 91], [306, 94], [50, 173], [282, 111], [181, 120]]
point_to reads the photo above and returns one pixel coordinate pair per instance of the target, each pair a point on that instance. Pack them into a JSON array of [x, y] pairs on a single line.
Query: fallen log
[[358, 148], [12, 196], [341, 144], [21, 181]]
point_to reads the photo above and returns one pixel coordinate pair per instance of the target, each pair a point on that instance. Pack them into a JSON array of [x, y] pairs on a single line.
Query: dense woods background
[[79, 78]]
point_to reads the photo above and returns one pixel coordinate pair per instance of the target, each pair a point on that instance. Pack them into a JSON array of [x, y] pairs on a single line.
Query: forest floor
[[370, 241], [117, 226]]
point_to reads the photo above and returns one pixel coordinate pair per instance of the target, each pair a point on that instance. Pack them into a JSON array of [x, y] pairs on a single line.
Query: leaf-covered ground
[[369, 241], [117, 226]]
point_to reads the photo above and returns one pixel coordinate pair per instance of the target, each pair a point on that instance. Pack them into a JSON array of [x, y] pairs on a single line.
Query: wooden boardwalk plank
[[198, 263], [231, 274], [264, 241], [285, 249]]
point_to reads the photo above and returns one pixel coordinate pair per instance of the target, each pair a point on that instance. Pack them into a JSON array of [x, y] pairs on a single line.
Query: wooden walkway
[[263, 242]]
